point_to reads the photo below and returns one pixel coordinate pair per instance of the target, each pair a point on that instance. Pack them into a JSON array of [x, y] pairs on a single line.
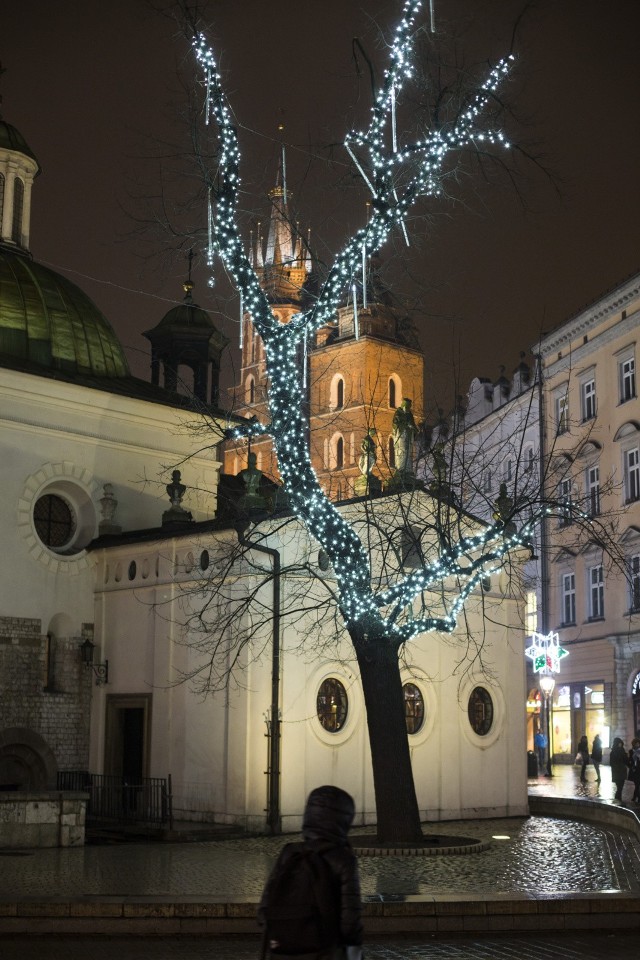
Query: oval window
[[54, 521], [204, 560], [133, 569], [332, 704], [480, 711], [413, 707]]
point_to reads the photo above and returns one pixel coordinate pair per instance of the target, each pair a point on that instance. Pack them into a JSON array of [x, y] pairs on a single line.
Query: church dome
[[12, 139], [48, 322]]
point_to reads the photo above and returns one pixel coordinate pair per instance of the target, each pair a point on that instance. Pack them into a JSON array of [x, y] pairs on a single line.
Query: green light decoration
[[546, 653], [398, 174]]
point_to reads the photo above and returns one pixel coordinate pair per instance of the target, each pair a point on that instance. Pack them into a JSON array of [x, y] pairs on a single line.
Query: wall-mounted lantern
[[100, 670]]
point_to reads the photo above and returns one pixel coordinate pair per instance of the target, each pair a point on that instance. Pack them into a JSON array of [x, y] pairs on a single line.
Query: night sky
[[95, 90]]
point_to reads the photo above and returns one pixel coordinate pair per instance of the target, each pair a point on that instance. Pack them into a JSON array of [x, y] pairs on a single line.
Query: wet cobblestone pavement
[[540, 855]]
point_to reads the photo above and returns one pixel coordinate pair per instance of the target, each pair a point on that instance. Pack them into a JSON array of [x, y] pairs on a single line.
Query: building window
[[413, 707], [251, 391], [339, 453], [596, 592], [332, 705], [18, 201], [568, 590], [340, 394], [565, 502], [632, 474], [1, 198], [634, 583], [562, 413], [529, 460], [627, 370], [593, 491], [54, 521], [588, 400], [480, 711], [393, 401], [391, 453], [507, 470], [487, 484]]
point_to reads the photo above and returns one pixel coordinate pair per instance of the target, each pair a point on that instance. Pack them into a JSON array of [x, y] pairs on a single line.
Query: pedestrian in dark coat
[[596, 755], [328, 815], [583, 754], [619, 765], [634, 768]]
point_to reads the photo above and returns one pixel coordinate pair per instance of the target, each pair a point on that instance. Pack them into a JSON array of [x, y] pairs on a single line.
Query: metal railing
[[112, 798]]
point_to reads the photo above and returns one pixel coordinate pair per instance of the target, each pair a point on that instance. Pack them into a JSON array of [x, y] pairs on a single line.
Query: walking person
[[619, 766], [596, 755], [310, 908], [583, 757], [634, 768]]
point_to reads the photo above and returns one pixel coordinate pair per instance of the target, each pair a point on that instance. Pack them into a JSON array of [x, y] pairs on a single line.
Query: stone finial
[[108, 507], [251, 477], [176, 513]]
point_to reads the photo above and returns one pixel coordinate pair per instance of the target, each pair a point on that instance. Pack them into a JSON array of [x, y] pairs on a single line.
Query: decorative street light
[[547, 683], [546, 653]]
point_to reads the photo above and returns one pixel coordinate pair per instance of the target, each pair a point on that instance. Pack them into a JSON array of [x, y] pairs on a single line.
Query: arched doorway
[[26, 762]]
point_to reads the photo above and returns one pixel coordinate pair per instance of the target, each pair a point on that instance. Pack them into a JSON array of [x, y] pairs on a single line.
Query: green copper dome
[[47, 321]]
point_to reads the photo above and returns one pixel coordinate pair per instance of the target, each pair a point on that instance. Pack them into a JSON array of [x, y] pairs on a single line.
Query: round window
[[413, 707], [480, 711], [54, 521], [332, 705]]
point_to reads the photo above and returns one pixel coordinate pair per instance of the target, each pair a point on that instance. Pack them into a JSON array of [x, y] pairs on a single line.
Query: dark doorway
[[127, 734]]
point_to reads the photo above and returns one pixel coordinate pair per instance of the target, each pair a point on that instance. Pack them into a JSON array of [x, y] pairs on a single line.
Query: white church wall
[[216, 747]]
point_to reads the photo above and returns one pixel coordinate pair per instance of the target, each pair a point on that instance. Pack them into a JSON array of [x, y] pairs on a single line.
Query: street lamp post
[[547, 684]]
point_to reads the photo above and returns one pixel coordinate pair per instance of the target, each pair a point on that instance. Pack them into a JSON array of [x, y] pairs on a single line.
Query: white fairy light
[[418, 169]]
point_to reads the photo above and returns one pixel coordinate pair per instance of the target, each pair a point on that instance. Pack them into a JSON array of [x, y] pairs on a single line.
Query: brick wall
[[45, 688]]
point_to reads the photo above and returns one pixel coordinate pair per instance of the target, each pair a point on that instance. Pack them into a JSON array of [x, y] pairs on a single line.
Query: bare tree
[[403, 569]]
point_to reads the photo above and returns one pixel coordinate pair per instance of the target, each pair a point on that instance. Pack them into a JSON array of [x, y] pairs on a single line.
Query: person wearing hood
[[619, 765], [328, 815]]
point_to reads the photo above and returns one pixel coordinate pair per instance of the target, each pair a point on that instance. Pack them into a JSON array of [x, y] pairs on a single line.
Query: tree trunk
[[396, 802]]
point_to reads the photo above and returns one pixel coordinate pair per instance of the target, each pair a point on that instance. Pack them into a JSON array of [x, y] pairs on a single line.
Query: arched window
[[336, 392], [18, 202], [395, 390], [1, 198], [251, 390], [392, 453], [339, 453]]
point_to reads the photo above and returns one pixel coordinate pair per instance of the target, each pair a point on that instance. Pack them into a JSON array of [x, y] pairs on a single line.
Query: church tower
[[283, 268], [360, 367]]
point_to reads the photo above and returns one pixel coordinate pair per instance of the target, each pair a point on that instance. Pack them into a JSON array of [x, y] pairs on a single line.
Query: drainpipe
[[273, 813], [544, 557]]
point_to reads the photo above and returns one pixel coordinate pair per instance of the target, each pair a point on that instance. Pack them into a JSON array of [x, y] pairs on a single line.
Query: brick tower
[[360, 367]]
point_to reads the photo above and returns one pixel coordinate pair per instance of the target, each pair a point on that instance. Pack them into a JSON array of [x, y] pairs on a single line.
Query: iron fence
[[112, 798]]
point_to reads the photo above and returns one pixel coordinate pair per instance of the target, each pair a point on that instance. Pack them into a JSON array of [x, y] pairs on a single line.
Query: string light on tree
[[398, 175]]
